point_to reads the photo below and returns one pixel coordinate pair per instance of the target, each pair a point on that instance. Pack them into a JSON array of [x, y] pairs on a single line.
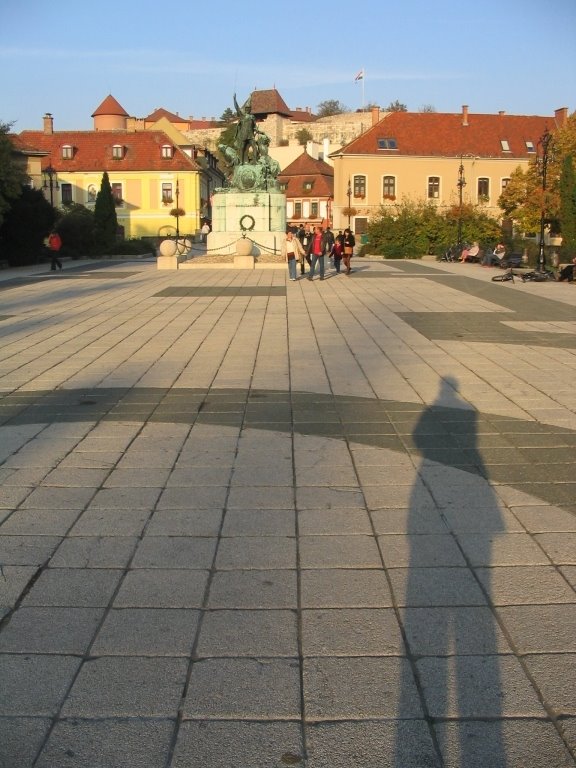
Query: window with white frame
[[433, 187], [359, 186], [167, 151], [314, 209], [530, 146], [504, 183], [117, 151], [92, 192], [297, 209], [67, 152], [505, 146], [389, 187]]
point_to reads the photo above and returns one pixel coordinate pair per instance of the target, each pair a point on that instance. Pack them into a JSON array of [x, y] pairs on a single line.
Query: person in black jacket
[[305, 237], [349, 243]]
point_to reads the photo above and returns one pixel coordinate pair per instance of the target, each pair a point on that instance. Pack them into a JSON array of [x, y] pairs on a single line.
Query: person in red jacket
[[55, 243]]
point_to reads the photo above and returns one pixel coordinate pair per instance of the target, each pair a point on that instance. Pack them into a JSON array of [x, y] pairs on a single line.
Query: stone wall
[[339, 129]]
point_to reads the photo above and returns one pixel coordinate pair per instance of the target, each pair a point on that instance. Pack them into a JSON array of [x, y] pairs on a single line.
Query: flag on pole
[[359, 76]]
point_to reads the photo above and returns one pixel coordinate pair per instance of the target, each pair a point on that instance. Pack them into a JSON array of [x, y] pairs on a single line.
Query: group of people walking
[[313, 246]]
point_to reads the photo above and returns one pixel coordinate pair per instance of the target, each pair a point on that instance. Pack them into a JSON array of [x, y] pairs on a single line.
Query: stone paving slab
[[248, 522]]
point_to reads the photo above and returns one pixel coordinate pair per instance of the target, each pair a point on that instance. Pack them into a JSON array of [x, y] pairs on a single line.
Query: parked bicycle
[[538, 276], [509, 274], [452, 253]]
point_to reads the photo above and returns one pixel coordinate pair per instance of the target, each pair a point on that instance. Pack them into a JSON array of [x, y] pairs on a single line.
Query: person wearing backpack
[[55, 243]]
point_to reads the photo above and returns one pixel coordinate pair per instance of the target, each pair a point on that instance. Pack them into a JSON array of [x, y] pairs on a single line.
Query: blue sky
[[65, 57]]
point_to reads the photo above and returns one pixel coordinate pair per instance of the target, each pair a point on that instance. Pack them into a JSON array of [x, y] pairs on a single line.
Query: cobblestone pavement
[[247, 522]]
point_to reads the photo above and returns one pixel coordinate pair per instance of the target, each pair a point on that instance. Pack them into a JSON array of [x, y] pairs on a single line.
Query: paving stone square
[[132, 686], [221, 546], [244, 689]]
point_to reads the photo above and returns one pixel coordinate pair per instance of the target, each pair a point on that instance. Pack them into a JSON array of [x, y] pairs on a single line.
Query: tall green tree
[[27, 222], [228, 116], [330, 107], [396, 106], [105, 219], [568, 206], [524, 200], [12, 172], [303, 136]]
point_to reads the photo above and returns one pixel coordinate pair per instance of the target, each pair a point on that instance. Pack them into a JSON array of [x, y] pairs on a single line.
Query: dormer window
[[67, 152], [530, 146], [387, 143], [167, 151], [505, 146], [117, 151], [308, 185]]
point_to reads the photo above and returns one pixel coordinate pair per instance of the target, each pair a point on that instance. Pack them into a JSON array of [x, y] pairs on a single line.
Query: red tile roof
[[161, 112], [307, 169], [433, 134], [267, 103], [92, 151], [23, 147], [110, 107], [302, 116]]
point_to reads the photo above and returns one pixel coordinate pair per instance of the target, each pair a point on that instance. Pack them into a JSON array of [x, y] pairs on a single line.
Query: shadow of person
[[443, 594]]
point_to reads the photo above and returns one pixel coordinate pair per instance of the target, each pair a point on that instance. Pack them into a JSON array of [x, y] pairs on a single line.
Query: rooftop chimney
[[464, 114], [501, 112], [561, 115], [48, 124], [375, 115]]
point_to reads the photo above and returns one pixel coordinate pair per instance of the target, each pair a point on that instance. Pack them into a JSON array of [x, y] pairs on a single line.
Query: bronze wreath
[[251, 224]]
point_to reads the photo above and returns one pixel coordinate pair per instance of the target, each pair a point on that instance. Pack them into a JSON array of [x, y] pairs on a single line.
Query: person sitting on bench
[[494, 258], [471, 252]]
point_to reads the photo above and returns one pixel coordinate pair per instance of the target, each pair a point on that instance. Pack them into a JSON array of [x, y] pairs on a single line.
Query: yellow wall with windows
[[411, 176], [142, 212]]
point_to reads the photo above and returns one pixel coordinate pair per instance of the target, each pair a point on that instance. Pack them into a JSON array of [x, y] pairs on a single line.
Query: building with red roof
[[151, 171], [309, 186], [419, 156]]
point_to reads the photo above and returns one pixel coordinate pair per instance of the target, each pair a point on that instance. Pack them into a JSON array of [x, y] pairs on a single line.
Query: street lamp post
[[50, 181], [349, 193], [461, 183], [177, 210], [544, 142]]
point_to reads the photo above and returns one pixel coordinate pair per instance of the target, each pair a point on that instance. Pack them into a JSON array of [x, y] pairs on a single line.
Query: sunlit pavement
[[249, 522]]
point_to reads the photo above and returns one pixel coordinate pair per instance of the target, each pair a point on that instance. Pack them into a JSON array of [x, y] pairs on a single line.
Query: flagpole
[[363, 81]]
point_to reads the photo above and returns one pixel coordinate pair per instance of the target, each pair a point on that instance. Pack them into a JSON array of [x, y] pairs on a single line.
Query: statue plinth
[[252, 207]]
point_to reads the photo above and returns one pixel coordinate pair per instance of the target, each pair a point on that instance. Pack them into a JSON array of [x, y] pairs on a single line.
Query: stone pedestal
[[172, 252], [261, 216]]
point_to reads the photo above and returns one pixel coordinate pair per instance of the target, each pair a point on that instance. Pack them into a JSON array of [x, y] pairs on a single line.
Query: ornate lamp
[[50, 181]]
